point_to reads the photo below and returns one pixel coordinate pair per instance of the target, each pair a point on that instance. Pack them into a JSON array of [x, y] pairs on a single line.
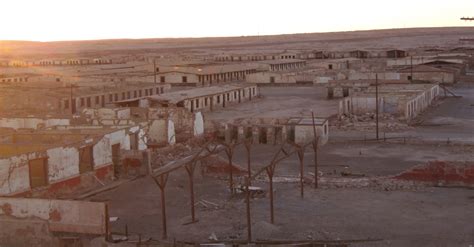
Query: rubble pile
[[387, 122]]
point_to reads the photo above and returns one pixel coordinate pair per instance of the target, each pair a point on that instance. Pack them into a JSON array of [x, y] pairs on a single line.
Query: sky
[[55, 20]]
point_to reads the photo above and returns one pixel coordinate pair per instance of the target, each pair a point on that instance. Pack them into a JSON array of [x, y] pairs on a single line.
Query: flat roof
[[177, 96], [209, 69], [280, 61]]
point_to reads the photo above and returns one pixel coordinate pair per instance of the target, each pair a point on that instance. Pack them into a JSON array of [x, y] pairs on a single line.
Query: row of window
[[21, 79], [100, 99], [221, 98], [274, 67]]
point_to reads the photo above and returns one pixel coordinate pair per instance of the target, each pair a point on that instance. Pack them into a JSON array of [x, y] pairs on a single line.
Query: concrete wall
[[33, 222]]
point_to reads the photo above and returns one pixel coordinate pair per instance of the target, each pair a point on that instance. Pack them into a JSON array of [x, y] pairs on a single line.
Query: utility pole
[[411, 68], [377, 106], [154, 70], [72, 105]]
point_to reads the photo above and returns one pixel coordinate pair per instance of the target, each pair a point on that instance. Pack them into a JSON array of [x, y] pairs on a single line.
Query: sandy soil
[[281, 102]]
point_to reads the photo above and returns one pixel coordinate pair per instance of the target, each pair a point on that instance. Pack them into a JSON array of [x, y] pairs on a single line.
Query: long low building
[[199, 99], [273, 78], [282, 64], [205, 75], [100, 99]]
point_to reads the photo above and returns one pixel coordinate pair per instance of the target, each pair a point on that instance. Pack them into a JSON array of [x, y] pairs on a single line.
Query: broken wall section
[[40, 222]]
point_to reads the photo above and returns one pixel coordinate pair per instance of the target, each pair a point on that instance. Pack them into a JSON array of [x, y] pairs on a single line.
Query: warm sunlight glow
[[48, 20]]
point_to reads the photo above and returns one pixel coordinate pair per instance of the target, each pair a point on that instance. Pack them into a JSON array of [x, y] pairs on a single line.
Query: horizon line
[[241, 36]]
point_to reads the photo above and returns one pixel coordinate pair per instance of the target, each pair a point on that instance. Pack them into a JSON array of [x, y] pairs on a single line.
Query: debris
[[350, 174], [213, 237], [113, 219]]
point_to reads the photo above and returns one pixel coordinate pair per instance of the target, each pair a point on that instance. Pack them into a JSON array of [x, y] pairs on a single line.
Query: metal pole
[[314, 124], [377, 106], [229, 152], [411, 68], [301, 158], [72, 109], [154, 69], [270, 170], [249, 220], [315, 147], [247, 146], [190, 169]]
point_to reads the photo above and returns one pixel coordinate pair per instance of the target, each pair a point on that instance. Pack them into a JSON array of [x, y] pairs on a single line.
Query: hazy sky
[[46, 20]]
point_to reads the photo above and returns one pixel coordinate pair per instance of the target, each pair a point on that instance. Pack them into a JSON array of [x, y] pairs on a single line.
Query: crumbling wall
[[33, 222], [305, 133], [14, 174], [32, 123], [102, 153], [63, 163], [157, 132]]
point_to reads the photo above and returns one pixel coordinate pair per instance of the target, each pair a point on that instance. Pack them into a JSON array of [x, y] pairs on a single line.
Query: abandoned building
[[277, 131], [345, 88], [206, 75], [96, 100], [396, 53], [359, 54], [199, 99], [282, 64], [281, 78], [57, 62], [427, 73], [13, 79], [49, 161], [405, 101]]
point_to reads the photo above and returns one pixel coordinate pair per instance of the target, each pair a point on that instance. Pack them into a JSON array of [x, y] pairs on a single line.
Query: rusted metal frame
[[161, 182]]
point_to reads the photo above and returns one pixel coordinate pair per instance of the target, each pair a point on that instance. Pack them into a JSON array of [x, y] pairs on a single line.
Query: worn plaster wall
[[63, 163], [102, 153], [14, 174], [59, 215], [158, 131]]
